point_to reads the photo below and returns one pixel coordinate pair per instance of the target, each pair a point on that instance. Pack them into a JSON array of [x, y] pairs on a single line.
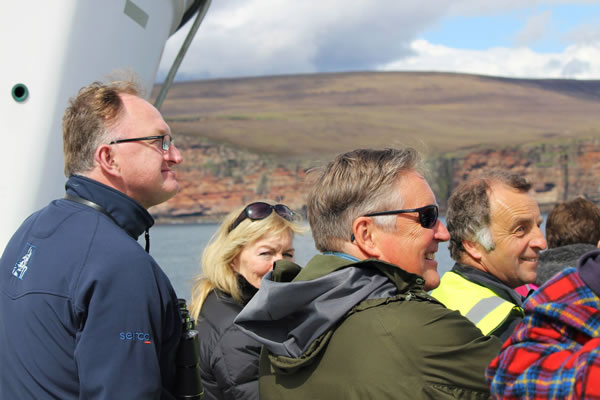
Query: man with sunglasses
[[357, 321], [85, 311], [496, 241]]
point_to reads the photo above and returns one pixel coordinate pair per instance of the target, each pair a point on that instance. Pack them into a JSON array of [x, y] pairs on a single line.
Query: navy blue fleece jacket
[[85, 312]]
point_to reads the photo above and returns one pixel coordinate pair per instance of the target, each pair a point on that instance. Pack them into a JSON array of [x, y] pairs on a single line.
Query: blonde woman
[[240, 253]]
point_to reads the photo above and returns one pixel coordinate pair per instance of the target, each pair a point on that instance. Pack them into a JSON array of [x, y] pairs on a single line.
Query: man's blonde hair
[[88, 120]]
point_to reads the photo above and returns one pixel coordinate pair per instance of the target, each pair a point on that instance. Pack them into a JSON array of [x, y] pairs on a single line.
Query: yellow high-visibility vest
[[478, 304]]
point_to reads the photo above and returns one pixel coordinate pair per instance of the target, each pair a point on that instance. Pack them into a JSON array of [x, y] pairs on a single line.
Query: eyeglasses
[[165, 144], [261, 210], [428, 215]]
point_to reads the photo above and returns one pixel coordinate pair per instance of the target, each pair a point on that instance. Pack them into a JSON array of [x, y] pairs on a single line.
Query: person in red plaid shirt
[[555, 351]]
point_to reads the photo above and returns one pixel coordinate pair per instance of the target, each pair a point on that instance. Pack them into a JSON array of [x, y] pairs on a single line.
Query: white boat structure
[[50, 50]]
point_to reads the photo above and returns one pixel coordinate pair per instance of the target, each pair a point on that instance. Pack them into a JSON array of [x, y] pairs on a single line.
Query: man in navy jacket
[[85, 312]]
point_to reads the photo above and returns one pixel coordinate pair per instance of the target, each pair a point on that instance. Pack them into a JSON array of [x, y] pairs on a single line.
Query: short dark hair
[[468, 215], [574, 221]]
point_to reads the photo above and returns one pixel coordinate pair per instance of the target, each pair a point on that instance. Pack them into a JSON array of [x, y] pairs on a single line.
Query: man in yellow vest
[[495, 240]]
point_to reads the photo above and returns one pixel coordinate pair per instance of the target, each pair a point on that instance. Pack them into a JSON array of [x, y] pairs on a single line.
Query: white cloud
[[487, 7], [269, 37], [534, 29], [577, 61], [262, 37], [585, 34]]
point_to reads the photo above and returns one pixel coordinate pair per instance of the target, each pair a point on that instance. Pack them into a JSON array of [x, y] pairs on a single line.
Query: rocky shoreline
[[217, 177]]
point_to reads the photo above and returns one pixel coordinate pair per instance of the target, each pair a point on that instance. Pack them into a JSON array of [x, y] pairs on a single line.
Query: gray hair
[[354, 184], [468, 215]]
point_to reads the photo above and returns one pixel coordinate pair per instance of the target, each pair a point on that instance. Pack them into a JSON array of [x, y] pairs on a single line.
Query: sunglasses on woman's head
[[261, 210], [428, 215]]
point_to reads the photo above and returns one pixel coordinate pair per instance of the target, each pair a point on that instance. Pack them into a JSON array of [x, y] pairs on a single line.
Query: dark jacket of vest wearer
[[514, 316], [228, 357], [339, 329]]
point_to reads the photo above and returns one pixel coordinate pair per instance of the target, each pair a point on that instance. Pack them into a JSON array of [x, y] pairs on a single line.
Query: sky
[[509, 38]]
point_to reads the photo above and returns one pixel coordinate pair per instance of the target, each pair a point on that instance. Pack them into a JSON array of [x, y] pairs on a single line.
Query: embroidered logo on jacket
[[22, 266], [136, 336]]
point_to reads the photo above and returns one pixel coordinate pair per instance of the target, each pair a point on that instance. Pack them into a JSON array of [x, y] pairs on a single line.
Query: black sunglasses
[[166, 140], [428, 215], [261, 210]]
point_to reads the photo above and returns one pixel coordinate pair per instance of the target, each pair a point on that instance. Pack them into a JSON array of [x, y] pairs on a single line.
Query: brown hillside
[[316, 115]]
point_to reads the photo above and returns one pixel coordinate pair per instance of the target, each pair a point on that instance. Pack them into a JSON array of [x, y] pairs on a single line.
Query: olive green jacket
[[403, 346]]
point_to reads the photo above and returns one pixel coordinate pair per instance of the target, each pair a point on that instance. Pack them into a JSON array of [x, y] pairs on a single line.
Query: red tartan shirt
[[554, 351]]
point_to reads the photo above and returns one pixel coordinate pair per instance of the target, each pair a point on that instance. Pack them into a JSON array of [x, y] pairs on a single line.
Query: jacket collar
[[321, 265], [491, 282], [247, 290], [128, 213]]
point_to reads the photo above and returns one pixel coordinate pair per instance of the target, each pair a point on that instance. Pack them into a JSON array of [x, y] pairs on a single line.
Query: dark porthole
[[20, 92]]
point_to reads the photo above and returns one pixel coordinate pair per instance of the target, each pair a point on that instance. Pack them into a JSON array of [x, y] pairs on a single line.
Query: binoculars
[[188, 384]]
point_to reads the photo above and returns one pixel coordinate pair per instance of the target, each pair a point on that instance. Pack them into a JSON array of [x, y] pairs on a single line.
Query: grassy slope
[[312, 116]]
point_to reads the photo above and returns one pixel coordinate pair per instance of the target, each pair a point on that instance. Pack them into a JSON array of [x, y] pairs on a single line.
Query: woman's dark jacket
[[228, 357]]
